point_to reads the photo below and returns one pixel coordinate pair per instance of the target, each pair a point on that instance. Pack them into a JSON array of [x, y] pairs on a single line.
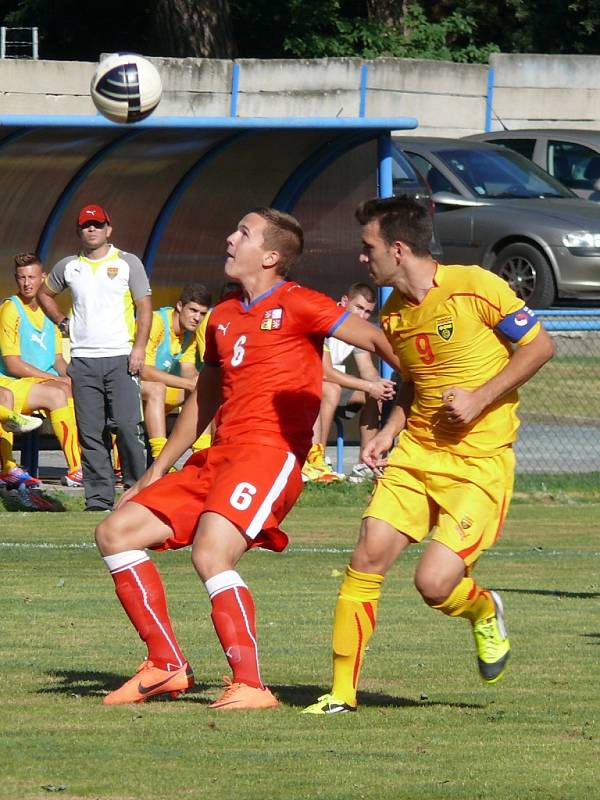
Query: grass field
[[427, 728]]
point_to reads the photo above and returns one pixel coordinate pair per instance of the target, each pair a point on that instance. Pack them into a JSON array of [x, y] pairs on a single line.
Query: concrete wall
[[448, 99]]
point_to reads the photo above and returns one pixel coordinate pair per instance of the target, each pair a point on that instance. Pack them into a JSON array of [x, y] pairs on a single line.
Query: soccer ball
[[126, 87]]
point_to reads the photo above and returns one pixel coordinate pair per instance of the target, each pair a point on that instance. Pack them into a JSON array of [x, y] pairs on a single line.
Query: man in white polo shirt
[[110, 293]]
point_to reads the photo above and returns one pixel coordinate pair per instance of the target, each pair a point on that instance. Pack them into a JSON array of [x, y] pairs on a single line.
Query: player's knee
[[432, 588], [110, 535], [153, 391]]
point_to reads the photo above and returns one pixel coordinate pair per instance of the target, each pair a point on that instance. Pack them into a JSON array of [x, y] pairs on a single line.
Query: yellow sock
[[115, 454], [156, 445], [353, 626], [6, 451], [316, 455], [468, 600], [202, 442], [65, 430]]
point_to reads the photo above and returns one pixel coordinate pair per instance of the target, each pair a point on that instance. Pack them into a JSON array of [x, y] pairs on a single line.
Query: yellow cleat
[[493, 647], [328, 704]]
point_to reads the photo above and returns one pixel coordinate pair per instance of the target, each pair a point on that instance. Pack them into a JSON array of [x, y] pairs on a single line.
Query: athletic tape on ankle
[[129, 558], [223, 581]]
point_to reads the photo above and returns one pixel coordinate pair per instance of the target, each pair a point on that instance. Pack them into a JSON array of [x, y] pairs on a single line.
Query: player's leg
[[53, 397], [87, 383], [315, 467], [122, 539], [125, 411], [379, 545], [11, 474], [217, 548], [472, 514], [153, 401]]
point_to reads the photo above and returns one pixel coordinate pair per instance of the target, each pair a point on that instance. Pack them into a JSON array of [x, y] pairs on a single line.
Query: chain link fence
[[560, 406]]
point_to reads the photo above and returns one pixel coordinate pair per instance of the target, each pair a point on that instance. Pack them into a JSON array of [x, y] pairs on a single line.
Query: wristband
[[63, 326]]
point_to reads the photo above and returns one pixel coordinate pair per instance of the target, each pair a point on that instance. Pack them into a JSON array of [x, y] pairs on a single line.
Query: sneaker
[[73, 479], [492, 643], [30, 500], [314, 474], [360, 473], [239, 696], [21, 423], [16, 476], [149, 681], [327, 704]]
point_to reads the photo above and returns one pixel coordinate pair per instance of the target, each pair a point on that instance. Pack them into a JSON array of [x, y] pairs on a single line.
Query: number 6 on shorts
[[242, 495]]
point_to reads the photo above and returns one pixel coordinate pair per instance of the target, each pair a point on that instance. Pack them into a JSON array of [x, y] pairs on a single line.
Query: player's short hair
[[283, 234], [195, 293], [364, 289], [27, 260], [401, 219]]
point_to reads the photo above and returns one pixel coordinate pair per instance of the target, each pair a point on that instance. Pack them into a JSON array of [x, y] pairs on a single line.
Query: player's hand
[[461, 406], [382, 389], [372, 452], [136, 360], [148, 478], [190, 384]]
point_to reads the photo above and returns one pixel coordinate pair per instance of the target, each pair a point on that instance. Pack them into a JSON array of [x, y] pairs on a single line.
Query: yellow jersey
[[10, 325], [453, 338], [165, 353]]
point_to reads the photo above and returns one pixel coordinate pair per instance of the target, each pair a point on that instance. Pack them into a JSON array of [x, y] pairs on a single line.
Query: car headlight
[[581, 239]]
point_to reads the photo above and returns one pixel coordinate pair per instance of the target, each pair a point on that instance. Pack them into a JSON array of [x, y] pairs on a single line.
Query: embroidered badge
[[445, 327], [112, 272], [272, 319]]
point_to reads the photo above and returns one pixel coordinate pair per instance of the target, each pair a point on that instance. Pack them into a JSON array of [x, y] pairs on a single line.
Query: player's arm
[[150, 373], [143, 321], [45, 298], [383, 441], [196, 413], [365, 366], [361, 333], [465, 405], [377, 388]]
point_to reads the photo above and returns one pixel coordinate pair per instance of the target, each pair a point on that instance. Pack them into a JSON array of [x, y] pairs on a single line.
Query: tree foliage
[[459, 30]]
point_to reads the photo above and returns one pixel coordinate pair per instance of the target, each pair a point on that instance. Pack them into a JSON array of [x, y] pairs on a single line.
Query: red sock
[[234, 619], [140, 589]]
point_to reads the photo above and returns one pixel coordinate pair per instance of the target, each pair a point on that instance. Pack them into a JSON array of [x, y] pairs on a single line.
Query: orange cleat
[[239, 696], [149, 681]]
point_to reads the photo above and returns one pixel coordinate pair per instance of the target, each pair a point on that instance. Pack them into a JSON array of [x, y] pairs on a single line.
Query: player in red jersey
[[262, 378]]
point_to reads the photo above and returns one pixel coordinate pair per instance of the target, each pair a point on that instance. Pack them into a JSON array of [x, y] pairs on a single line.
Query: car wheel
[[528, 273]]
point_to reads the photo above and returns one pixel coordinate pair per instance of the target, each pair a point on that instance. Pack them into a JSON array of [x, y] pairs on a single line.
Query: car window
[[436, 181], [575, 165], [501, 173], [523, 146]]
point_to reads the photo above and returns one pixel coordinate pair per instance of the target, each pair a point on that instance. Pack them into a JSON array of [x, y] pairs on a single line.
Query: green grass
[[427, 728], [567, 388]]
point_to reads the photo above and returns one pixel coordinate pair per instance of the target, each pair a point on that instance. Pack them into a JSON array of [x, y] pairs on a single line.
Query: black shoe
[[97, 508]]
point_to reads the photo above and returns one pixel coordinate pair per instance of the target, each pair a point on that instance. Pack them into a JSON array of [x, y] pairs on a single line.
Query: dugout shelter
[[176, 187]]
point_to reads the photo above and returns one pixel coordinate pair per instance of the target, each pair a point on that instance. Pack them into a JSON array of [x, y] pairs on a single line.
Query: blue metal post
[[364, 74], [235, 86], [384, 189], [489, 99]]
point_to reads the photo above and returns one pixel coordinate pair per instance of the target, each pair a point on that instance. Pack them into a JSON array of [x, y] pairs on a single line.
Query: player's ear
[[270, 258], [179, 306], [344, 300]]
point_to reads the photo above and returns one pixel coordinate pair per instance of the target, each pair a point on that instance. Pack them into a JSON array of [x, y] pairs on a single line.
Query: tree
[[190, 28]]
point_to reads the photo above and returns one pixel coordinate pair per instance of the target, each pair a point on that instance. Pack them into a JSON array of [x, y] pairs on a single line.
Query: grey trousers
[[107, 400]]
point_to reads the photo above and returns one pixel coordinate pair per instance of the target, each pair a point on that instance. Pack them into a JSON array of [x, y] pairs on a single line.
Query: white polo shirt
[[103, 292]]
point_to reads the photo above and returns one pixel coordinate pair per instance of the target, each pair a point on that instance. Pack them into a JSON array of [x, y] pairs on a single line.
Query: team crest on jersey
[[112, 272], [445, 327], [272, 319]]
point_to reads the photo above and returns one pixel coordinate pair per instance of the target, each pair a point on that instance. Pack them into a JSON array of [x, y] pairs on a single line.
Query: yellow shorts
[[20, 387], [173, 398], [462, 500]]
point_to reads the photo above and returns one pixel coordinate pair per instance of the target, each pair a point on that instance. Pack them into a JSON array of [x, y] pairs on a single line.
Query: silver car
[[495, 208], [571, 156]]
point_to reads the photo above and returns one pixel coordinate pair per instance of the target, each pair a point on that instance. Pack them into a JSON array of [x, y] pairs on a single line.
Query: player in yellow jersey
[[31, 353], [171, 369], [465, 343]]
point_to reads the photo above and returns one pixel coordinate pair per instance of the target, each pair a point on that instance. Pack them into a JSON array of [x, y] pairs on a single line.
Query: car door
[[453, 225]]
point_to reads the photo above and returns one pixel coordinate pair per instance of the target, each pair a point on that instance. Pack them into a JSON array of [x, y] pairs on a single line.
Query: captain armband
[[514, 326]]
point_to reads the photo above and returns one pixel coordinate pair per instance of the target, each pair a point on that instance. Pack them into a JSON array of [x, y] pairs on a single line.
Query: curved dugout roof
[[176, 187]]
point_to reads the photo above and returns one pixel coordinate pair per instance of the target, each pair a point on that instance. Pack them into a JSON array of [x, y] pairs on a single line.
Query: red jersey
[[270, 355]]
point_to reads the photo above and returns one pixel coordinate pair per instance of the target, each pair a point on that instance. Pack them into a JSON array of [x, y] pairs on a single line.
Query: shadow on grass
[[552, 593], [82, 683], [304, 695], [591, 636]]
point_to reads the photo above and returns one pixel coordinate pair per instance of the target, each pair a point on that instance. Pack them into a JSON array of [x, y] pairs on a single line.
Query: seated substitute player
[[344, 391], [170, 369], [453, 330], [233, 495], [31, 351]]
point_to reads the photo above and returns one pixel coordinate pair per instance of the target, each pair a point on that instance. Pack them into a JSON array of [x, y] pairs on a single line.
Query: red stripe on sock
[[358, 652]]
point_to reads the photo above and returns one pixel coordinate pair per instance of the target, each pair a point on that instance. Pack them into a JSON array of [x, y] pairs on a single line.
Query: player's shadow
[[304, 695], [591, 636], [552, 593], [83, 683]]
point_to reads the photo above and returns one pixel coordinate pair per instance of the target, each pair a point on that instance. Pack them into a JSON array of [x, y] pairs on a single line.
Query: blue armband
[[514, 326]]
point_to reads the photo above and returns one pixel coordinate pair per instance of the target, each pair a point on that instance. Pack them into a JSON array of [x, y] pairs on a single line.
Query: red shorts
[[252, 486]]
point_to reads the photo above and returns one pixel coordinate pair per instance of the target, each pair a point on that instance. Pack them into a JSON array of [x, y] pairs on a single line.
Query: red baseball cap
[[92, 213]]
